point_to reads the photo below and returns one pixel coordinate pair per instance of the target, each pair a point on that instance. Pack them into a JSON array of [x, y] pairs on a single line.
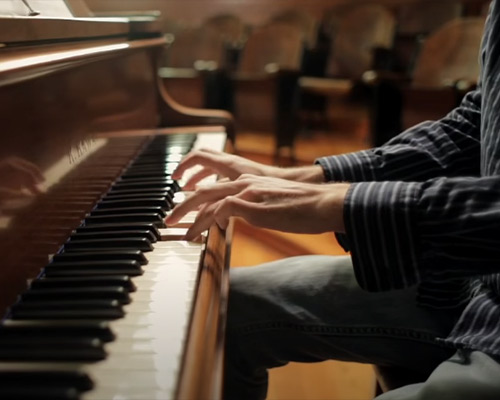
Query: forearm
[[309, 174]]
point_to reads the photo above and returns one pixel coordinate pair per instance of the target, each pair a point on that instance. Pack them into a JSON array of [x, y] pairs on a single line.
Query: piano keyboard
[[107, 317]]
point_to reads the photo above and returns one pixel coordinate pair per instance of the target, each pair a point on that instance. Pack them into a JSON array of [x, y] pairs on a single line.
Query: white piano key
[[145, 360], [215, 141], [126, 393], [178, 245], [186, 221], [162, 259]]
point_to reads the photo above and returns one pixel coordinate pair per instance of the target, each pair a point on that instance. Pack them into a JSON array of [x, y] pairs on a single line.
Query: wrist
[[309, 174]]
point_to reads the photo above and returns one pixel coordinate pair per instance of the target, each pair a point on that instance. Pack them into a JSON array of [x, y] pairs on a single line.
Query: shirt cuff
[[350, 167], [380, 220]]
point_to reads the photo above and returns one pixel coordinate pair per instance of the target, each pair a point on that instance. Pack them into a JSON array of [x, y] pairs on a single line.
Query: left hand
[[267, 203], [19, 178]]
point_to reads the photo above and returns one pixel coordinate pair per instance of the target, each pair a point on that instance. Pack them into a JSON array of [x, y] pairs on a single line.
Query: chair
[[193, 68], [446, 68], [357, 35], [265, 82], [415, 21], [234, 33], [304, 21]]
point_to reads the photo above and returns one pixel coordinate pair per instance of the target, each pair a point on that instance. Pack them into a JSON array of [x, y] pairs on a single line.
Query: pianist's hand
[[219, 163], [18, 178], [266, 202], [231, 166]]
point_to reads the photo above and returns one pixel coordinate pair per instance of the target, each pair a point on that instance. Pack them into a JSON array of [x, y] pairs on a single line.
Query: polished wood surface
[[26, 29], [80, 112], [203, 362]]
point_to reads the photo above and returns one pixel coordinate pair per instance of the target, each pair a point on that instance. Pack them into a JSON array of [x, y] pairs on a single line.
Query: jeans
[[309, 309]]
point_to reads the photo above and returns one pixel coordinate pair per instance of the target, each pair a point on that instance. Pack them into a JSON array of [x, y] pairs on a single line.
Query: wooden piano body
[[78, 99]]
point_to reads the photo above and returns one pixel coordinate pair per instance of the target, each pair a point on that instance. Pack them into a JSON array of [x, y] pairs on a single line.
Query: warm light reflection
[[60, 56]]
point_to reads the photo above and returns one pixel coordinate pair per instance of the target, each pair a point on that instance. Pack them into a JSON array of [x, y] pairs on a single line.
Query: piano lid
[[27, 22]]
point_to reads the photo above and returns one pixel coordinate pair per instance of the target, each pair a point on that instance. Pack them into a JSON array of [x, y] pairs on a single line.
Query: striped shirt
[[424, 209]]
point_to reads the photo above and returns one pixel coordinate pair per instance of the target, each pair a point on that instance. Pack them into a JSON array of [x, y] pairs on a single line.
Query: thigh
[[311, 308], [465, 376]]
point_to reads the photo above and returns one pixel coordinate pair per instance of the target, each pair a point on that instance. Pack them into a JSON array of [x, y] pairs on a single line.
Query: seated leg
[[309, 309]]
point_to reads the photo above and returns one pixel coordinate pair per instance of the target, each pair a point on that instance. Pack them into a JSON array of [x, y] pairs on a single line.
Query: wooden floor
[[327, 380]]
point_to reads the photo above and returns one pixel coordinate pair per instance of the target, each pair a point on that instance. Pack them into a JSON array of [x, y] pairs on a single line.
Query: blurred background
[[310, 78]]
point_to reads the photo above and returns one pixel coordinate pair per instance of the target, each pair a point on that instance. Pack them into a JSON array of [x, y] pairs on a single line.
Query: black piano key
[[170, 148], [77, 293], [164, 148], [139, 193], [96, 314], [111, 234], [69, 304], [146, 185], [148, 226], [46, 376], [84, 281], [94, 268], [138, 201], [55, 328], [125, 218], [146, 179], [147, 173], [101, 255], [26, 349], [172, 157], [158, 210], [63, 310], [28, 391], [142, 244]]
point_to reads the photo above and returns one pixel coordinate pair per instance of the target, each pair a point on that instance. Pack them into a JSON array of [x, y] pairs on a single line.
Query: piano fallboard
[[77, 117]]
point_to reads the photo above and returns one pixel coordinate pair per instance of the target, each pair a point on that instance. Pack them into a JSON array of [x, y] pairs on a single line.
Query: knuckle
[[203, 190], [245, 177], [250, 192]]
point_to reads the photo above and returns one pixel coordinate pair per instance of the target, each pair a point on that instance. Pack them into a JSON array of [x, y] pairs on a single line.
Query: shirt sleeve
[[401, 189], [447, 147], [402, 233]]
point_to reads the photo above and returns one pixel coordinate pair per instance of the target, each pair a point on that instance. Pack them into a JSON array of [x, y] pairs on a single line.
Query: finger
[[209, 150], [30, 169], [24, 179], [235, 206], [202, 158], [203, 222], [204, 195], [221, 213], [6, 194], [197, 177]]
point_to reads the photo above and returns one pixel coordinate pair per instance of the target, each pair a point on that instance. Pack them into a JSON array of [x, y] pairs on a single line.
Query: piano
[[100, 300]]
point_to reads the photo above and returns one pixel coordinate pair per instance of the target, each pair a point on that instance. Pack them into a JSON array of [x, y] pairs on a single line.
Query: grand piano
[[100, 300]]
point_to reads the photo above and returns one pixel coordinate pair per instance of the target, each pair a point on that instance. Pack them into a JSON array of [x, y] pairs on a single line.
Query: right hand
[[226, 165]]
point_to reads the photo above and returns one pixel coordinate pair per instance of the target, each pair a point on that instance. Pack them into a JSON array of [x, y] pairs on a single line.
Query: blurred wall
[[254, 12]]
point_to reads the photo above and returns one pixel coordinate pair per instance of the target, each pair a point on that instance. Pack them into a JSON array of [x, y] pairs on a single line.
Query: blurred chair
[[265, 83], [303, 21], [446, 68], [358, 35], [234, 32], [415, 21], [193, 68]]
